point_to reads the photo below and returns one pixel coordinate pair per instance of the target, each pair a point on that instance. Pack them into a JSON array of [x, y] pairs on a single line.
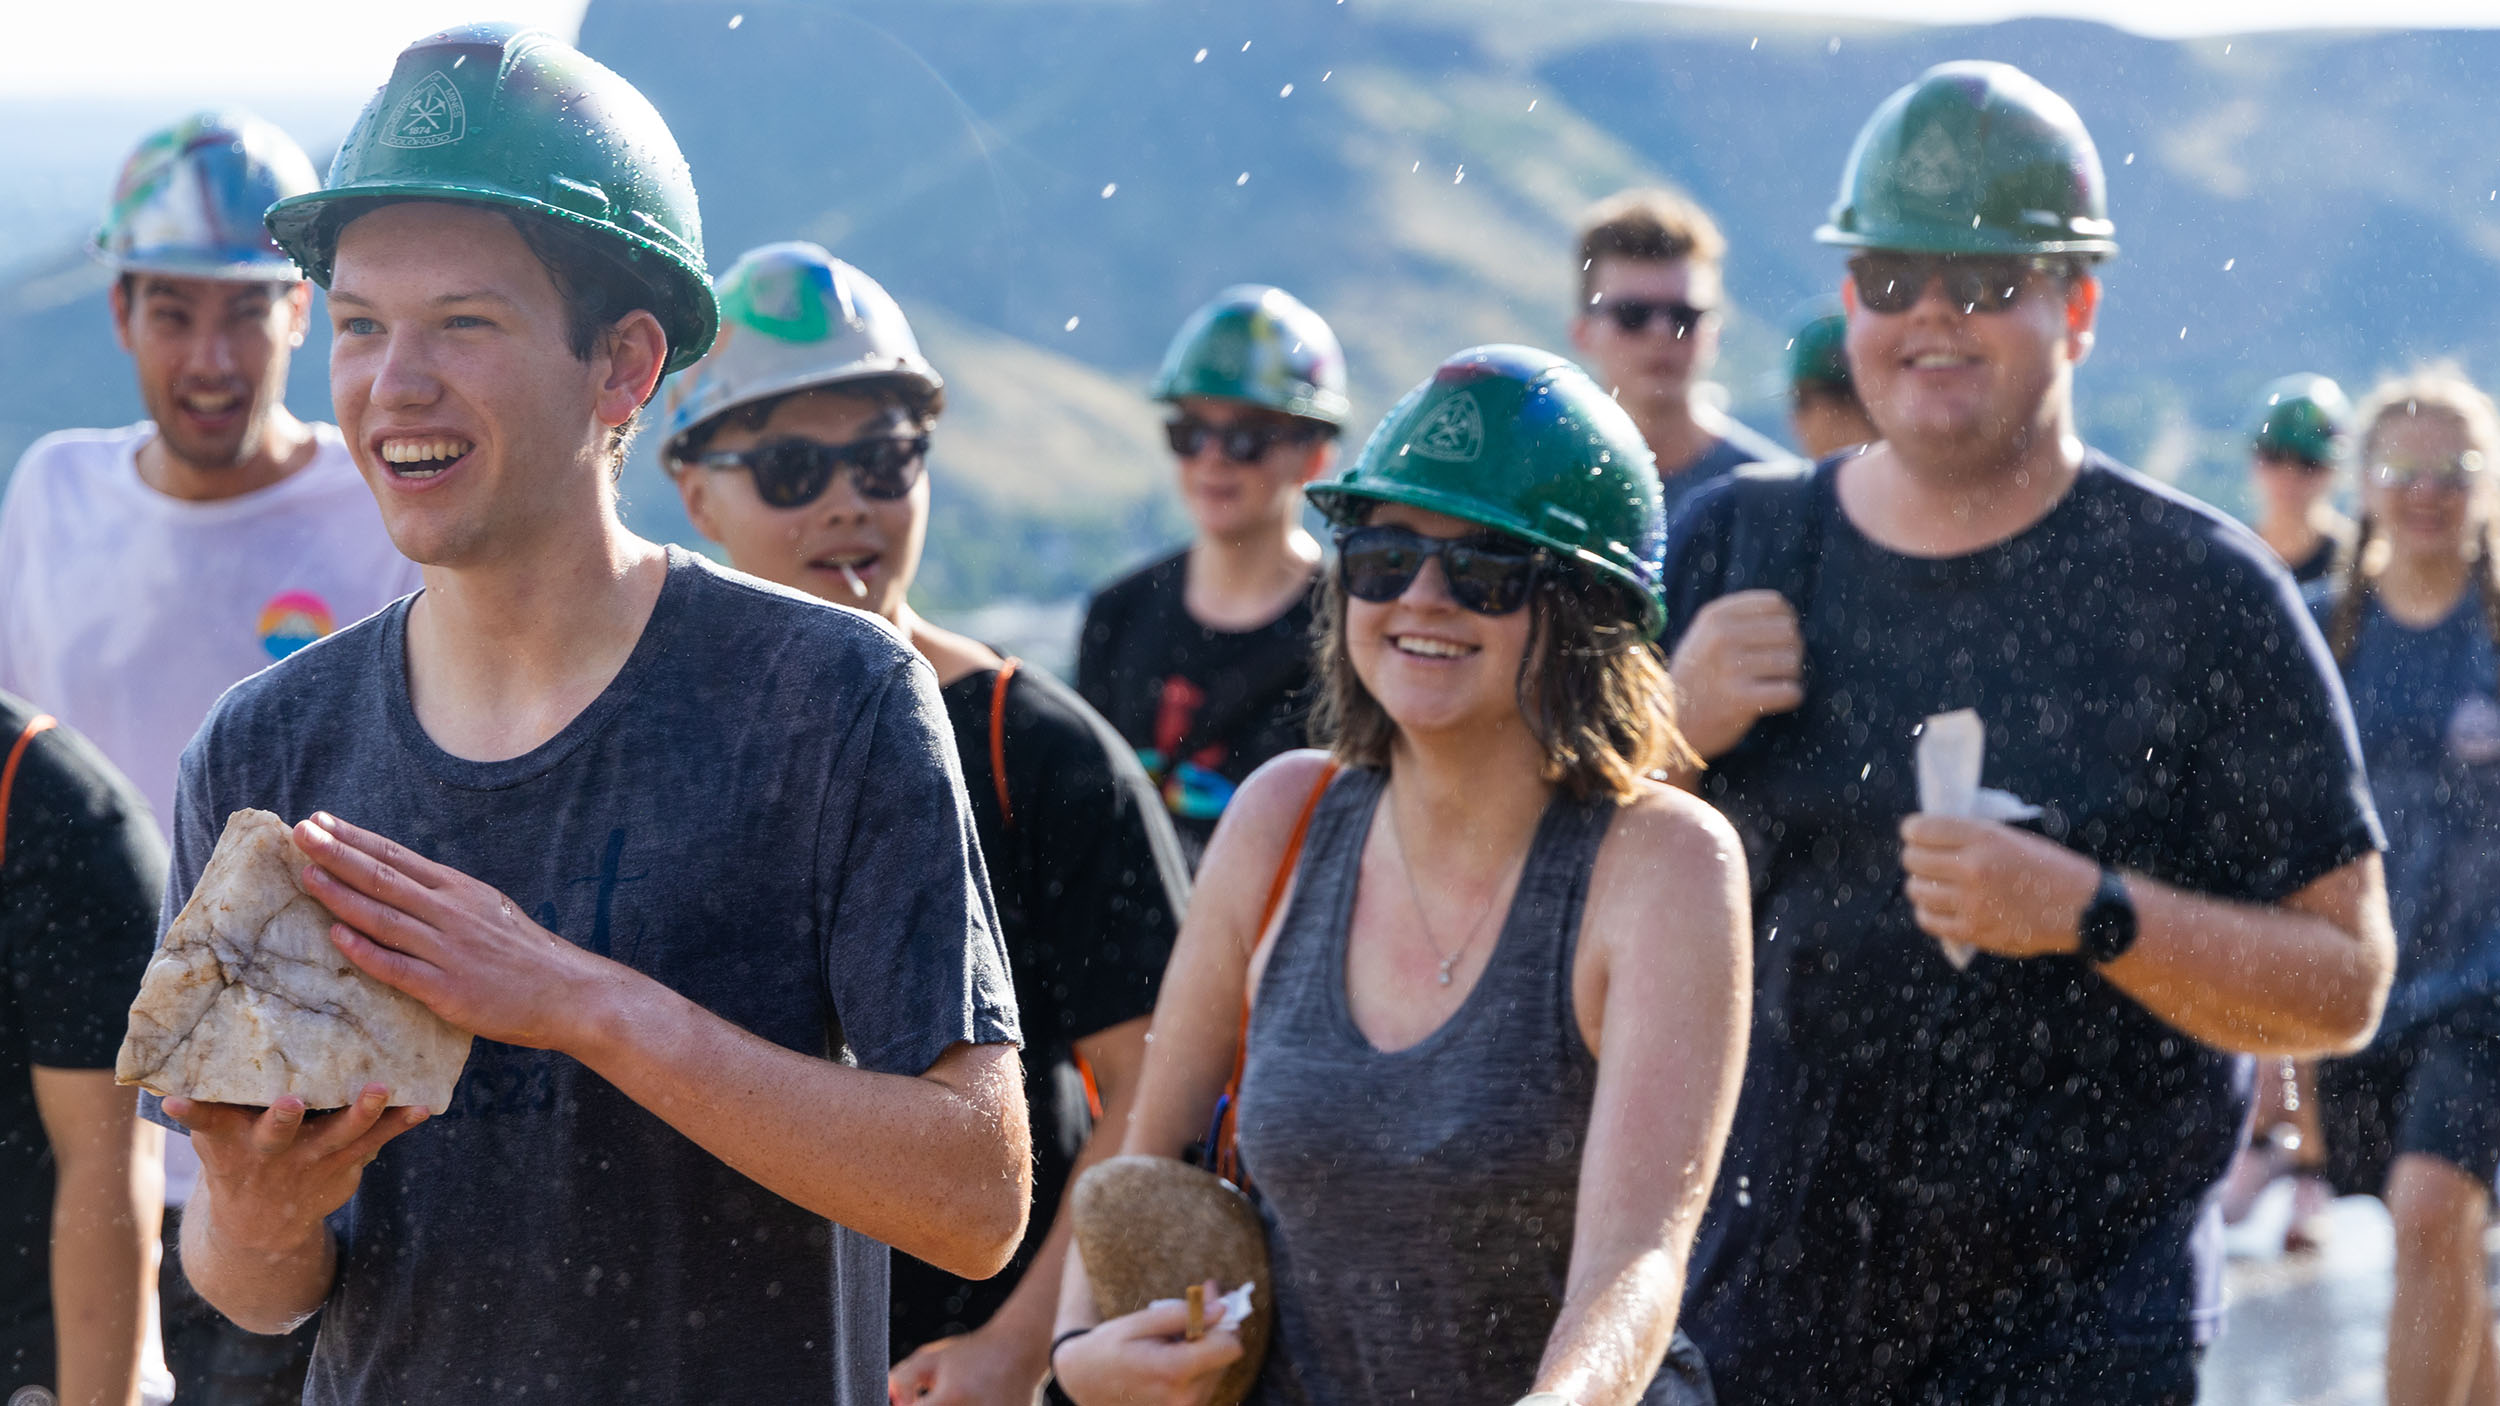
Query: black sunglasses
[[1243, 444], [1490, 575], [1634, 315], [1890, 283], [792, 473]]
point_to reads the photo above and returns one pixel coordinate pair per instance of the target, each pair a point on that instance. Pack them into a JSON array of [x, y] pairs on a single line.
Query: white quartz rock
[[247, 998]]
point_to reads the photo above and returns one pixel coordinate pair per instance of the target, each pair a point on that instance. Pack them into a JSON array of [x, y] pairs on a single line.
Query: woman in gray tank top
[[1500, 1020]]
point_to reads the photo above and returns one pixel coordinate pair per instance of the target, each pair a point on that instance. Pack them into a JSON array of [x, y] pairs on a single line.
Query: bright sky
[[185, 49]]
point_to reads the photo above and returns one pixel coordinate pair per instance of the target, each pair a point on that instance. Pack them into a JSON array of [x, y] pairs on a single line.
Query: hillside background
[[1049, 186]]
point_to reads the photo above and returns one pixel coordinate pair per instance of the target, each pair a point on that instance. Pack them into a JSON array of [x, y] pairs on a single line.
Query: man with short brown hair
[[1648, 328]]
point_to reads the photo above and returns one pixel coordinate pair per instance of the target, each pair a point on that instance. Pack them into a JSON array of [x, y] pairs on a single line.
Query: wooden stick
[[1197, 1313]]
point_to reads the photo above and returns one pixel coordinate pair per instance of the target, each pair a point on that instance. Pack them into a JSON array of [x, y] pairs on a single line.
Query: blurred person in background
[[801, 445], [1823, 408], [2413, 617], [1203, 660], [1499, 1012], [143, 570], [82, 872], [1979, 1171], [1652, 305], [2294, 448]]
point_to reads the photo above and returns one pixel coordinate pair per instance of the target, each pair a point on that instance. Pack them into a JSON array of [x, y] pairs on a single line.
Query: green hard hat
[[1523, 442], [494, 114], [1973, 158], [1819, 355], [1262, 345], [2304, 416]]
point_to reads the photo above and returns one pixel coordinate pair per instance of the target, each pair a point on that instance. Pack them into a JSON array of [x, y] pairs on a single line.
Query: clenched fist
[[1744, 658]]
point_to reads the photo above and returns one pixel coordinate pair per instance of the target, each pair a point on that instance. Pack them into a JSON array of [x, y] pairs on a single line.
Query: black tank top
[[1419, 1203]]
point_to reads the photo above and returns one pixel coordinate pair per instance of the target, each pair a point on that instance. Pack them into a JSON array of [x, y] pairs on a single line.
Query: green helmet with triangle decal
[[1523, 442], [497, 115], [1974, 158]]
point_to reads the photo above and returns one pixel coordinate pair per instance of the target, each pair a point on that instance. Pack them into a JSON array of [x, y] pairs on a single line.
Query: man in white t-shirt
[[145, 570]]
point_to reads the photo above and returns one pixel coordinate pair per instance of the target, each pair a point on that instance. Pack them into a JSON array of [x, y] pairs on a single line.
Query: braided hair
[[2440, 392]]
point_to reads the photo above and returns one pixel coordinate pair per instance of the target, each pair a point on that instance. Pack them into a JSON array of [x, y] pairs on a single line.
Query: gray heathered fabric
[[1419, 1204]]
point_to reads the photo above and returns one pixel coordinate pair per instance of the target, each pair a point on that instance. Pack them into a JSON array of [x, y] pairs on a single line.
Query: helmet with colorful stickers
[[1974, 158], [494, 114], [794, 317], [190, 199], [2304, 417], [1819, 355], [1262, 345], [1523, 442]]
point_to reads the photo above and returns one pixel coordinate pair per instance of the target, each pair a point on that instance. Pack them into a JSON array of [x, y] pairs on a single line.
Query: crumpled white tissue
[[1952, 749]]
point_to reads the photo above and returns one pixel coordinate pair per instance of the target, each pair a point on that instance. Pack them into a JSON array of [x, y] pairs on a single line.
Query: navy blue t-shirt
[[2430, 731], [763, 811], [1926, 1160]]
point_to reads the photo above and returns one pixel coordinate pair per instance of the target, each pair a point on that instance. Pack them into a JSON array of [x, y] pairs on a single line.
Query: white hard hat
[[794, 318], [190, 200]]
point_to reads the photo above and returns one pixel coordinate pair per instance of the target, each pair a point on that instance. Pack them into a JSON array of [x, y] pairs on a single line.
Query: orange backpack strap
[[998, 740], [39, 723], [1227, 1150]]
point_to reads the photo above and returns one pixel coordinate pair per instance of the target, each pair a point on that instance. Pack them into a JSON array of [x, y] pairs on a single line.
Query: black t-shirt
[[1203, 708], [2021, 1139], [80, 881], [1741, 445], [1090, 883]]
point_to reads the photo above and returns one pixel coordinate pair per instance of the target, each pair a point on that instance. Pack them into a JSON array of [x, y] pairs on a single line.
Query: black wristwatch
[[2108, 926]]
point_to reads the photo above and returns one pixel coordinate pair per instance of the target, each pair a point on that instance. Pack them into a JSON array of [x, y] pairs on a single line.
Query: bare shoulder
[[1674, 838], [1249, 841]]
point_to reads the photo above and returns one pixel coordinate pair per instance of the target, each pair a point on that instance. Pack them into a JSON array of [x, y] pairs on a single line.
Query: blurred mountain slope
[[1049, 186]]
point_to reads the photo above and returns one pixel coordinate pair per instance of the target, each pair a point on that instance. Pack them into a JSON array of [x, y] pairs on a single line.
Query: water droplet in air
[[1285, 92], [737, 20], [1326, 76], [1069, 325], [1755, 44], [2130, 161], [1834, 46], [2182, 334], [1242, 180], [1531, 104], [1110, 190], [1202, 57], [1462, 175], [1245, 46]]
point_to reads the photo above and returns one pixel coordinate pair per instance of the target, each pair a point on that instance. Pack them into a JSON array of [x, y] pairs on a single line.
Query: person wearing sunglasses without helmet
[[2414, 619], [1499, 1017], [688, 852], [1650, 312], [2302, 423], [1977, 1172], [801, 445], [1202, 659], [143, 570]]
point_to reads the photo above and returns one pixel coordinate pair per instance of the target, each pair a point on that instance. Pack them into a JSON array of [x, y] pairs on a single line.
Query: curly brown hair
[[1593, 691]]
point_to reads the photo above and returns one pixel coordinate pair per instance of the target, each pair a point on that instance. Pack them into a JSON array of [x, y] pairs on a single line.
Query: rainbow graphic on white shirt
[[291, 620]]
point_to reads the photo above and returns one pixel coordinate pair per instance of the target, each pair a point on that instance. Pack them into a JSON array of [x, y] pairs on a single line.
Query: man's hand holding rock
[[455, 944]]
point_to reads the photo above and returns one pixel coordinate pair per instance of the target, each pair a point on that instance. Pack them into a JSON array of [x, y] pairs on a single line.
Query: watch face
[[2108, 927]]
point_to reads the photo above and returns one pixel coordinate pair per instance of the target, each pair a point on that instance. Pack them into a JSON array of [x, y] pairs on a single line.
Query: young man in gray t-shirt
[[689, 854]]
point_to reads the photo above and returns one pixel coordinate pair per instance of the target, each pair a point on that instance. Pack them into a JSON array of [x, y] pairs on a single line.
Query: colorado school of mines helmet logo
[[1453, 434], [430, 115]]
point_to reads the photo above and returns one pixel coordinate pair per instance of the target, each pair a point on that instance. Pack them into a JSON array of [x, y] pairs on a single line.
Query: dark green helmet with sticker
[[1974, 158], [1261, 345], [494, 114], [1523, 442], [2302, 417]]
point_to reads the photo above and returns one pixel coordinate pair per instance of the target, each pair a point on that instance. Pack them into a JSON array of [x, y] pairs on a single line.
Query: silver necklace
[[1416, 895]]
